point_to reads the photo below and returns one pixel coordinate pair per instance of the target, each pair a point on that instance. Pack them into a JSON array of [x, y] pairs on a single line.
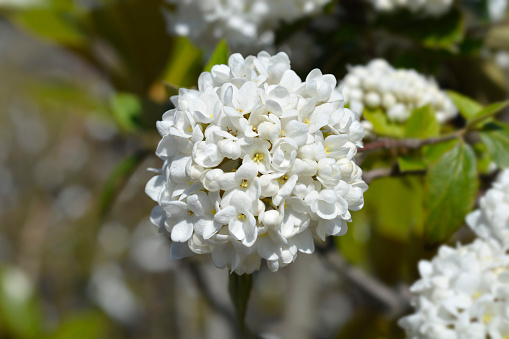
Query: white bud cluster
[[397, 91], [256, 162], [246, 25], [426, 7], [464, 291]]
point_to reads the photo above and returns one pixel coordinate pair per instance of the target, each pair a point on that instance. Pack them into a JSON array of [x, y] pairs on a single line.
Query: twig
[[395, 303], [369, 176], [211, 301], [409, 143]]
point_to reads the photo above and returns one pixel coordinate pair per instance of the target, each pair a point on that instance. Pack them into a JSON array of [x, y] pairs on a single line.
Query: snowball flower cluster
[[246, 25], [491, 220], [464, 292], [396, 91], [426, 7], [256, 162]]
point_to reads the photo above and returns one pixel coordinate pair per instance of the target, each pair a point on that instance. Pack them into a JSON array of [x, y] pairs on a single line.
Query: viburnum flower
[[491, 220], [246, 25], [464, 291], [425, 7], [397, 91], [256, 163]]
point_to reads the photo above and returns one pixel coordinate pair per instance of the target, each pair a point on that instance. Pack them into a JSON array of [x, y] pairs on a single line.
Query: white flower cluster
[[396, 91], [426, 7], [256, 162], [464, 292], [491, 220], [246, 25]]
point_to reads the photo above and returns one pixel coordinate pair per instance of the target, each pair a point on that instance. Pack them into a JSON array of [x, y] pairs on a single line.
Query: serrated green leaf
[[451, 190], [381, 123], [487, 113], [127, 109], [495, 137], [411, 163], [433, 152], [422, 124], [117, 180], [469, 108], [239, 287], [219, 56]]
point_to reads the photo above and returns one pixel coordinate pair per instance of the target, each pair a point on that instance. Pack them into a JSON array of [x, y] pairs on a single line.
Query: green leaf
[[219, 56], [394, 206], [443, 32], [185, 64], [127, 109], [487, 113], [20, 312], [117, 180], [55, 26], [381, 123], [411, 163], [422, 124], [433, 152], [495, 137], [89, 325], [469, 108], [240, 289], [451, 190]]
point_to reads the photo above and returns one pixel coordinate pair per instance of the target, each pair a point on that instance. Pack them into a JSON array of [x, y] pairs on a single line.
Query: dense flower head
[[463, 293], [246, 25], [425, 7], [256, 163], [491, 220], [397, 91]]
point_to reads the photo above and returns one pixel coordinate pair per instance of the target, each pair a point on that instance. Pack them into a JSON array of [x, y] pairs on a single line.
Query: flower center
[[190, 212], [258, 157], [244, 183], [241, 217], [213, 212], [327, 150], [283, 179], [307, 121]]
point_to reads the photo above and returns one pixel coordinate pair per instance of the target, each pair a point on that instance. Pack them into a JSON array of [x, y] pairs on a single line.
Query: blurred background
[[82, 83]]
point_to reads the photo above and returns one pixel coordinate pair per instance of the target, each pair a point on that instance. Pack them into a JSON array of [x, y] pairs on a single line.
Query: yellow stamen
[[477, 295], [286, 205], [213, 212], [487, 318], [244, 184], [327, 150], [263, 235], [283, 179], [258, 157], [282, 133], [189, 129], [190, 212], [211, 116], [241, 217], [307, 122]]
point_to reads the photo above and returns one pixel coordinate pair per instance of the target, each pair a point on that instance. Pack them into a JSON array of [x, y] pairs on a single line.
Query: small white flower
[[256, 163]]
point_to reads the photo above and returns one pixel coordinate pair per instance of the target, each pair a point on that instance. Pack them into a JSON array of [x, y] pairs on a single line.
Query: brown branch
[[369, 176], [409, 143], [396, 302]]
